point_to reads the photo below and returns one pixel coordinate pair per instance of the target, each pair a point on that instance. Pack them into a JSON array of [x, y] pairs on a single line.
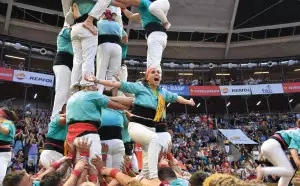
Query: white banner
[[236, 136], [235, 90], [33, 78], [266, 89]]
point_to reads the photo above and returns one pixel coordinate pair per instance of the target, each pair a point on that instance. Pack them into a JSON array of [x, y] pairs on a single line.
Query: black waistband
[[143, 112], [53, 144], [64, 58], [4, 142], [129, 148], [110, 132], [161, 127], [5, 150], [108, 39], [153, 27], [281, 141], [83, 18], [95, 123]]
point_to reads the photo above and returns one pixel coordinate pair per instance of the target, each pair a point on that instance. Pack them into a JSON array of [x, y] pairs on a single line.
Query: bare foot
[[260, 174], [76, 11], [88, 24], [167, 25]]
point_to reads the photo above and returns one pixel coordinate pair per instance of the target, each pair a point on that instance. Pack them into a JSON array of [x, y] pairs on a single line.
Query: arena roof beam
[[236, 5], [8, 16], [270, 27]]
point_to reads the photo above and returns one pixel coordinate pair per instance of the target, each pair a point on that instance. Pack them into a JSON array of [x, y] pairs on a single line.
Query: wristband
[[104, 156], [169, 156], [36, 175], [76, 173], [103, 153], [55, 165], [113, 173], [139, 178], [123, 9], [93, 178], [164, 165], [86, 154]]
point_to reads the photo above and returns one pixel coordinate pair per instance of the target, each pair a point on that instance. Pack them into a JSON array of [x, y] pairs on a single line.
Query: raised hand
[[90, 78]]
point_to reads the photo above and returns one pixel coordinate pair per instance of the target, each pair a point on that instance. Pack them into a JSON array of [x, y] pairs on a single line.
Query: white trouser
[[159, 9], [62, 87], [164, 140], [48, 157], [134, 162], [95, 148], [116, 151], [272, 151], [123, 73], [5, 158], [156, 43], [149, 141], [109, 56], [99, 8], [85, 47]]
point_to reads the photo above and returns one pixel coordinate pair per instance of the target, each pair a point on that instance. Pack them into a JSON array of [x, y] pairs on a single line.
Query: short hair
[[51, 179], [166, 174], [13, 178], [198, 178]]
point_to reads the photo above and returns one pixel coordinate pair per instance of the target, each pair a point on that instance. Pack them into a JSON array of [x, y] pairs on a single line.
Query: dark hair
[[13, 178], [51, 179], [107, 93], [198, 178], [166, 174], [10, 114]]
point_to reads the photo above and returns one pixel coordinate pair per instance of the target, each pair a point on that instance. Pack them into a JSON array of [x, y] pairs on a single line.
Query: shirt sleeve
[[142, 4], [170, 96], [125, 120], [100, 100], [294, 145], [132, 88]]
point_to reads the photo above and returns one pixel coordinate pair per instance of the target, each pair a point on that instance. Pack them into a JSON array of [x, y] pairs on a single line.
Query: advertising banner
[[266, 89], [238, 90], [291, 87], [205, 91], [179, 89], [236, 136], [6, 74], [33, 78]]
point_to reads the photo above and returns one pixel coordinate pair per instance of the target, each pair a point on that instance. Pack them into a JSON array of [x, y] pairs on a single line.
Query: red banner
[[291, 87], [6, 74], [205, 91]]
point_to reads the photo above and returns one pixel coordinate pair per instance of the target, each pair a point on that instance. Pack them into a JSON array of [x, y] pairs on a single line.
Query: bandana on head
[[148, 71], [108, 15]]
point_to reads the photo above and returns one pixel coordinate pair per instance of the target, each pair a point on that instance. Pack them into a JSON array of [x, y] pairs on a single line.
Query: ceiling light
[[198, 105], [258, 103], [15, 57], [168, 104], [142, 72], [296, 70], [35, 95], [291, 100], [228, 104], [185, 74], [222, 74], [261, 72]]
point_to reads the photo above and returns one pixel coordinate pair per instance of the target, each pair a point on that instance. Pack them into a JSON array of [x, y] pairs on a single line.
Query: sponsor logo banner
[[6, 74], [180, 90], [235, 90], [291, 87], [33, 78], [205, 91], [266, 89]]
